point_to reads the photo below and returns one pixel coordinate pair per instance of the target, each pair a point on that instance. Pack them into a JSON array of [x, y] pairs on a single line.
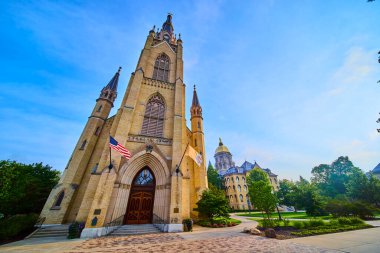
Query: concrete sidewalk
[[363, 241], [39, 245]]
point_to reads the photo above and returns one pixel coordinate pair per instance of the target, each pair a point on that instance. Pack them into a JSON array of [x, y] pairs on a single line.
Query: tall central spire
[[167, 26]]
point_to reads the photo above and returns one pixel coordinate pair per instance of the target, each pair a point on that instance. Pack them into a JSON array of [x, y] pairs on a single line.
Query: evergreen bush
[[75, 229], [17, 225]]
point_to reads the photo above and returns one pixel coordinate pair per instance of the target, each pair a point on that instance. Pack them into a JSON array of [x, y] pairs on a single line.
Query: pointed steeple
[[195, 98], [112, 85], [196, 109], [109, 92], [167, 26]]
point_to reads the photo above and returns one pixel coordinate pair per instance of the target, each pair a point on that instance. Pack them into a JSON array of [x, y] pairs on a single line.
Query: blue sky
[[290, 84]]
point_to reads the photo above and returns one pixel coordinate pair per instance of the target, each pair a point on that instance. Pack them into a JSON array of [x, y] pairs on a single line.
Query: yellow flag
[[193, 154]]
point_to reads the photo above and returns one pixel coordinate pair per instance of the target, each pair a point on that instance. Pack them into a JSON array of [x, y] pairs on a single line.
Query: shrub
[[204, 223], [350, 221], [286, 222], [316, 223], [356, 221], [75, 229], [188, 224], [298, 224], [344, 208], [334, 222], [17, 225]]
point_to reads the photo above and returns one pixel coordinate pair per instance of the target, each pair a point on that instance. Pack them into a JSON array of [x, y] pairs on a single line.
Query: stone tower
[[198, 143], [159, 181], [64, 194]]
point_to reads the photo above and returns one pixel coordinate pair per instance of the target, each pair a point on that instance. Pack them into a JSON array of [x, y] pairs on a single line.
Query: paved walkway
[[365, 240], [200, 240], [207, 240]]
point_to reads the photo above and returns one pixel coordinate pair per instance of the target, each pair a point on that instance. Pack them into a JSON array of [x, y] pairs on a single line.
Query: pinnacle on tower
[[109, 92], [195, 99], [112, 85], [196, 109]]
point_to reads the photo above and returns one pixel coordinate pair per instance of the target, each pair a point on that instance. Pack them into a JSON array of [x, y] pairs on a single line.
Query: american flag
[[119, 148]]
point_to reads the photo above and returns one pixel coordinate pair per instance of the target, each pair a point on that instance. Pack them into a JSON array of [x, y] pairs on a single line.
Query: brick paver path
[[175, 243]]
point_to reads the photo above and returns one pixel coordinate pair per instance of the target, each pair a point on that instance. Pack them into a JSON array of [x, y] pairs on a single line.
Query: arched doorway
[[141, 198]]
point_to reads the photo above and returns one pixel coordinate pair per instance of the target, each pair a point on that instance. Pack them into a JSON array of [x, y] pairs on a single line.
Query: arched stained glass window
[[161, 68], [239, 188], [241, 197], [237, 179], [145, 177], [153, 123]]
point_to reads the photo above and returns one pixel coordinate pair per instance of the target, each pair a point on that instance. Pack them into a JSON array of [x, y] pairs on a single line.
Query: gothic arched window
[[239, 188], [161, 68], [153, 123], [241, 197], [145, 177], [59, 199]]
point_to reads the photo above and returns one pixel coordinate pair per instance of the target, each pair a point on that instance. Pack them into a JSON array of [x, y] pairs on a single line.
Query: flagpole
[[177, 169], [110, 166]]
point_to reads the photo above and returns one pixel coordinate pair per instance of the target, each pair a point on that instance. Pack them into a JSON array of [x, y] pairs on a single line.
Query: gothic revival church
[[159, 182]]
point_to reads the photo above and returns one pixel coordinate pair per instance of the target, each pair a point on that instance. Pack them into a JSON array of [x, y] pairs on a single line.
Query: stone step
[[51, 231], [135, 229]]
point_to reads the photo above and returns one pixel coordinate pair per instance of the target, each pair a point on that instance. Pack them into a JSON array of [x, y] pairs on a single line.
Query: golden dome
[[221, 147]]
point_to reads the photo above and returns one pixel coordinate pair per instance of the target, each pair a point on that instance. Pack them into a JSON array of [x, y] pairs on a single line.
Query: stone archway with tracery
[[128, 172]]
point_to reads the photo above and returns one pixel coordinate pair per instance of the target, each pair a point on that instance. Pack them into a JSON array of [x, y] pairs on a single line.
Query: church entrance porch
[[141, 199]]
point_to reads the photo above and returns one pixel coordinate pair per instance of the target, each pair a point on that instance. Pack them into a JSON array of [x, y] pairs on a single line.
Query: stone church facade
[[158, 182]]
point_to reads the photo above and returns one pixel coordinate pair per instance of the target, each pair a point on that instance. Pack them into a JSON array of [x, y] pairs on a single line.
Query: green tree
[[260, 191], [364, 188], [213, 203], [307, 196], [332, 179], [286, 193], [213, 176], [24, 188]]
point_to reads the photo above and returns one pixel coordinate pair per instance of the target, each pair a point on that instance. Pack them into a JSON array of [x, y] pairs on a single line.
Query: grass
[[286, 215]]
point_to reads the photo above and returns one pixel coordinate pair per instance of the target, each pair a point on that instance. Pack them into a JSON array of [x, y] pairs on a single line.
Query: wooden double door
[[141, 199]]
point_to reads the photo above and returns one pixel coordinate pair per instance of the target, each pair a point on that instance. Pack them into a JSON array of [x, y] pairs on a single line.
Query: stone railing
[[158, 83]]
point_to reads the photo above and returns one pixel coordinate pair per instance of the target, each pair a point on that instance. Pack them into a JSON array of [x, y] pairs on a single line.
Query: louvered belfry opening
[[153, 124], [161, 68]]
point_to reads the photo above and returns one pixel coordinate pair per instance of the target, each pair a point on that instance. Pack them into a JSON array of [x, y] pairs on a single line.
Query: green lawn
[[287, 215]]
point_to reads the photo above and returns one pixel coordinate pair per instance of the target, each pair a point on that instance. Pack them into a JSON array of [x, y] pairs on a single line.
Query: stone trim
[[158, 83], [146, 139]]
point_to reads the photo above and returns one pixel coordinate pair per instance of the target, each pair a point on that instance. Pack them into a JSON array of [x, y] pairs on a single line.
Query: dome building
[[223, 158], [235, 177]]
